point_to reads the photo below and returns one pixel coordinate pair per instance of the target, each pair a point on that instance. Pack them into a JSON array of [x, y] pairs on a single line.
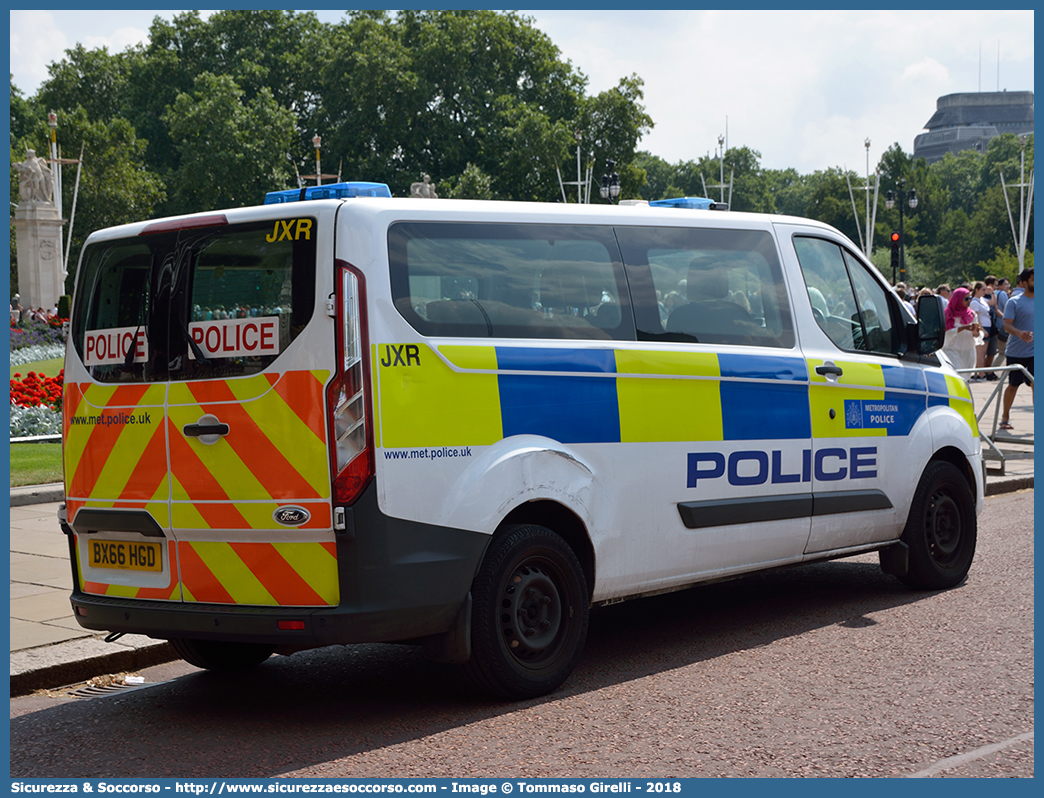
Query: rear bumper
[[399, 580]]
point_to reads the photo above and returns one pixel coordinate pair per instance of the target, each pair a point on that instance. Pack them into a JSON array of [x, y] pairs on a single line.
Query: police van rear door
[[114, 427], [250, 349]]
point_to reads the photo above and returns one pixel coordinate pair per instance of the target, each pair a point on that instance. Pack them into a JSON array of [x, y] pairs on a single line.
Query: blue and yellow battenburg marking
[[869, 399], [476, 395], [947, 391]]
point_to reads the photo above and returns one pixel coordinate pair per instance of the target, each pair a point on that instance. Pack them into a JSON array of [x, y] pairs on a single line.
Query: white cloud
[[118, 41], [36, 41], [927, 72]]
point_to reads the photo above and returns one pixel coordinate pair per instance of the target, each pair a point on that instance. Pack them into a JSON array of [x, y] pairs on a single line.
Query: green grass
[[35, 463], [49, 368]]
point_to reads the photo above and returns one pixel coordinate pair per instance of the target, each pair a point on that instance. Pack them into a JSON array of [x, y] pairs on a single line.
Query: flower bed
[[38, 333], [31, 354], [29, 421], [35, 390], [36, 400]]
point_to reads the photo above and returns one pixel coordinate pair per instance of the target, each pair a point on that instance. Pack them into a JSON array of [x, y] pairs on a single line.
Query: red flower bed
[[35, 390]]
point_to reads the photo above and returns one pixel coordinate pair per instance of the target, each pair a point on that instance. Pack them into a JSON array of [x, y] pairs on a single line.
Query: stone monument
[[38, 235], [423, 189]]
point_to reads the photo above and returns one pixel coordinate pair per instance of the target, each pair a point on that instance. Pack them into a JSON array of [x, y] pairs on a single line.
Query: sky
[[805, 89]]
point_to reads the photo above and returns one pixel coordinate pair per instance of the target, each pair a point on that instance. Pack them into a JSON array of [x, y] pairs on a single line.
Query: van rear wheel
[[529, 614], [941, 530], [217, 655]]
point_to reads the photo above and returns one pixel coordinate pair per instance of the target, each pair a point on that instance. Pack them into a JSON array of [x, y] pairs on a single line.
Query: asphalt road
[[827, 670]]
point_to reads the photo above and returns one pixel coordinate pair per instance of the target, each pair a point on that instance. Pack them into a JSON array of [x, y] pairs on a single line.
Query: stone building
[[968, 121]]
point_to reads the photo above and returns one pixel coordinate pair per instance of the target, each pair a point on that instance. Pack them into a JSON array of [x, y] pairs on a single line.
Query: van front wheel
[[529, 614], [941, 529], [216, 655]]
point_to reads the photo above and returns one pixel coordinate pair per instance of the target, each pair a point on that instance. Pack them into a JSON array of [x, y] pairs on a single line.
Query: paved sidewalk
[[49, 649]]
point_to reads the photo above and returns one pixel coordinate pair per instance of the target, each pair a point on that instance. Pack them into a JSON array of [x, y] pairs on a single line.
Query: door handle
[[198, 430], [822, 371], [208, 429]]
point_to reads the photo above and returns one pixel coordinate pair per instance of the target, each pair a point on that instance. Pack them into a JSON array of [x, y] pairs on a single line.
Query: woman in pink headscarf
[[961, 329]]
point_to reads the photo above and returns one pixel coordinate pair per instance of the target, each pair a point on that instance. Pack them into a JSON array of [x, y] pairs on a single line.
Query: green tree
[[532, 147], [751, 188], [791, 192], [829, 201], [658, 175], [958, 176], [271, 56], [612, 123], [231, 150], [472, 183], [94, 80]]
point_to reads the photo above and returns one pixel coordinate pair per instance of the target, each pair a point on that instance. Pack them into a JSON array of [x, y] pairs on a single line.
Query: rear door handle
[[198, 430], [822, 371], [208, 429]]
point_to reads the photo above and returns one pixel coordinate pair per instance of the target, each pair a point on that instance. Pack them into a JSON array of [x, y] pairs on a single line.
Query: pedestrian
[[1001, 297], [961, 329], [944, 291], [982, 310], [904, 297], [990, 298], [1018, 321]]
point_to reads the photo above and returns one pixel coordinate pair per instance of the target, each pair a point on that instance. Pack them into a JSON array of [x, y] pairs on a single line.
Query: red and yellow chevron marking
[[169, 592], [275, 449], [244, 515], [273, 574], [114, 442]]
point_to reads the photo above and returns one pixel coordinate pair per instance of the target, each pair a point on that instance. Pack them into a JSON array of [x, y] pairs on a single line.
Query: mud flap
[[454, 645], [895, 560]]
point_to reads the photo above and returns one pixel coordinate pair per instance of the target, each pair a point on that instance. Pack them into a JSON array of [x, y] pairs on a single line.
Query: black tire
[[529, 614], [216, 655], [941, 530]]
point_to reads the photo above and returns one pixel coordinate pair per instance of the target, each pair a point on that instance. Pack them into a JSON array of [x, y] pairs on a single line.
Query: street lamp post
[[317, 141], [904, 198], [610, 189]]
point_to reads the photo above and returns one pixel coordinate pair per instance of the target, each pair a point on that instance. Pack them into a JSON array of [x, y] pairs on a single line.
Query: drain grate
[[101, 690]]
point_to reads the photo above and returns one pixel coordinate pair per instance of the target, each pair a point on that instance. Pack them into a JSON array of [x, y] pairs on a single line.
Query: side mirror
[[931, 324]]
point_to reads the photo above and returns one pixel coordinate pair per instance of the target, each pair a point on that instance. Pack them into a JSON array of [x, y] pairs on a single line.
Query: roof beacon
[[696, 203], [331, 191]]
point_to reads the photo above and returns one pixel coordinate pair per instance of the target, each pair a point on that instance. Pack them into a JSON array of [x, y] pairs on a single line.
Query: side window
[[706, 286], [849, 305], [509, 280]]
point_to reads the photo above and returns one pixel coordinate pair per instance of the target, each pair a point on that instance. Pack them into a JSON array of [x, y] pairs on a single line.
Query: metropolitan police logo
[[291, 515], [853, 414]]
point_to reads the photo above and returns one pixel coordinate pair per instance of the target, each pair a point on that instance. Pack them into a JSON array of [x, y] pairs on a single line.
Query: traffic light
[[895, 251]]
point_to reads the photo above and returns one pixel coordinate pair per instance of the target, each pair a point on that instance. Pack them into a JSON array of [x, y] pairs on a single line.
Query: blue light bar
[[695, 203], [330, 191]]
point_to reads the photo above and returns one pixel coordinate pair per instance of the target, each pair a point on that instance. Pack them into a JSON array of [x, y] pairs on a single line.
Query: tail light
[[348, 395]]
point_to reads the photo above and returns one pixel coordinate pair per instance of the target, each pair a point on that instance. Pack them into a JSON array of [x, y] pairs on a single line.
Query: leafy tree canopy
[[216, 112]]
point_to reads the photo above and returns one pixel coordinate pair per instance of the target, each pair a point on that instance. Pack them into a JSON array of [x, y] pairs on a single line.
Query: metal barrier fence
[[38, 439], [994, 438]]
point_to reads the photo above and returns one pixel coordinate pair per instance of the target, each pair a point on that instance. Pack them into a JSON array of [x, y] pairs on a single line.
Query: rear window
[[193, 304], [509, 280]]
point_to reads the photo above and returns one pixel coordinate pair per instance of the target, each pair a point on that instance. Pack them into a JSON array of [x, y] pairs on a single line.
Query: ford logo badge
[[291, 515]]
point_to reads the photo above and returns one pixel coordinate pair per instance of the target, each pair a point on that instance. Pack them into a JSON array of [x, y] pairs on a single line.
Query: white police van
[[463, 424]]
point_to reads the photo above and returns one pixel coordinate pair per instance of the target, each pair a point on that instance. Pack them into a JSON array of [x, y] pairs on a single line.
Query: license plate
[[125, 555]]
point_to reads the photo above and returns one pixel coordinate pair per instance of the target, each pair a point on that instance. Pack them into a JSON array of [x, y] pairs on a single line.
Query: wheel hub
[[531, 611], [944, 527]]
